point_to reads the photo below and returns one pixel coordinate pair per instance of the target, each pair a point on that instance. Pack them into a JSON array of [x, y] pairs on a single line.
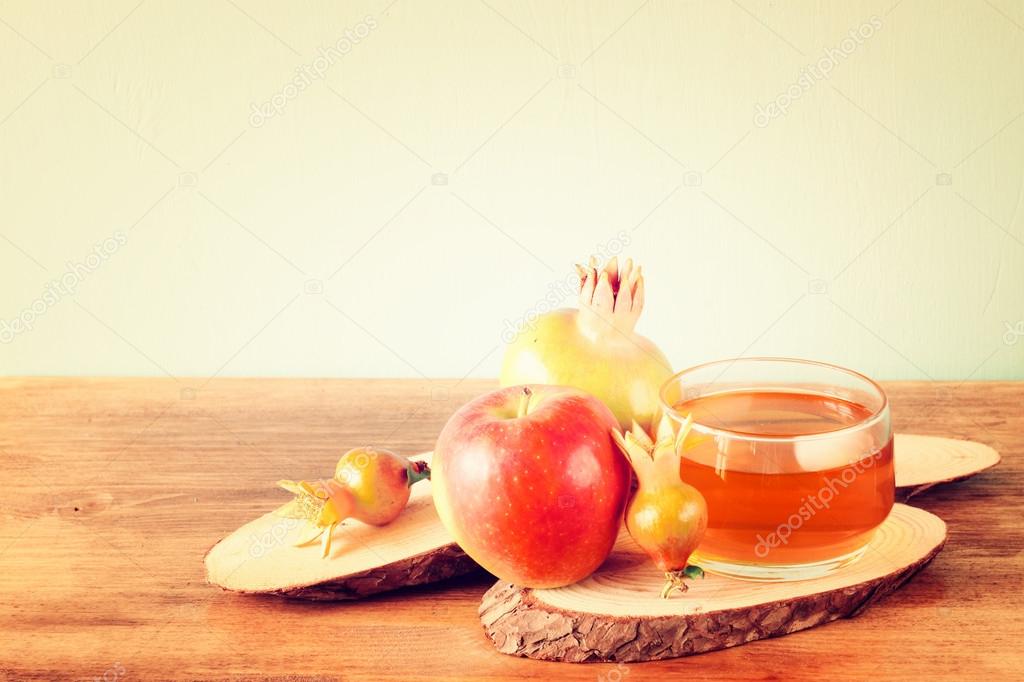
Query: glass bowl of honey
[[794, 459]]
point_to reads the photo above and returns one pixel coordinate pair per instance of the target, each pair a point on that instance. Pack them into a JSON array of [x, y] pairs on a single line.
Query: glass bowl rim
[[868, 422]]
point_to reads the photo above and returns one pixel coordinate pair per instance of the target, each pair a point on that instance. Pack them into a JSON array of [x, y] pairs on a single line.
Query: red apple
[[530, 483]]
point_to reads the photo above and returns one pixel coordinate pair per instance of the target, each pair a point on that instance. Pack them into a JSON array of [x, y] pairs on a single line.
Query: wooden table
[[115, 488]]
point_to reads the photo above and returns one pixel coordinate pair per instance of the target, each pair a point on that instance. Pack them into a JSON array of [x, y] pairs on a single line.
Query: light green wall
[[457, 157]]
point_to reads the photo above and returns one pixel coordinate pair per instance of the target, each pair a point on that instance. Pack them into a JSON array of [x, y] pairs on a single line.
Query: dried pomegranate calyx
[[322, 504], [612, 295], [656, 462]]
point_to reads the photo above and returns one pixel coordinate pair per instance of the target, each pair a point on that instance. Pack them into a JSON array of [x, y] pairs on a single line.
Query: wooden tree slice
[[925, 461], [617, 615], [260, 557], [416, 549]]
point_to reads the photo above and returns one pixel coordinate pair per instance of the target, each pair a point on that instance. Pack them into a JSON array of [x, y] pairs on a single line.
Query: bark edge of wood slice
[[616, 615], [414, 549], [922, 462]]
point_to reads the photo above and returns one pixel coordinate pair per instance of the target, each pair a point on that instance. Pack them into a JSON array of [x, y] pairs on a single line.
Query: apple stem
[[524, 402], [417, 472]]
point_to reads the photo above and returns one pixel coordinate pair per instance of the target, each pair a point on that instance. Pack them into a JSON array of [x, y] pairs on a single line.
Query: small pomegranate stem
[[417, 472], [524, 402], [675, 580]]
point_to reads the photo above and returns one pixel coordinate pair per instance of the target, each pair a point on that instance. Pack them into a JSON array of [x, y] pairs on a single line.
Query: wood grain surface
[[115, 488], [616, 615]]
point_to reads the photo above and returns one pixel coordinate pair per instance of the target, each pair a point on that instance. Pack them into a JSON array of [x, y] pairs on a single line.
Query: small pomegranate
[[665, 516], [370, 485]]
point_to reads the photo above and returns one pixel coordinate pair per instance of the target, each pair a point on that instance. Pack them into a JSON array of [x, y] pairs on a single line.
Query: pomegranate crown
[[614, 293], [654, 461], [322, 504]]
